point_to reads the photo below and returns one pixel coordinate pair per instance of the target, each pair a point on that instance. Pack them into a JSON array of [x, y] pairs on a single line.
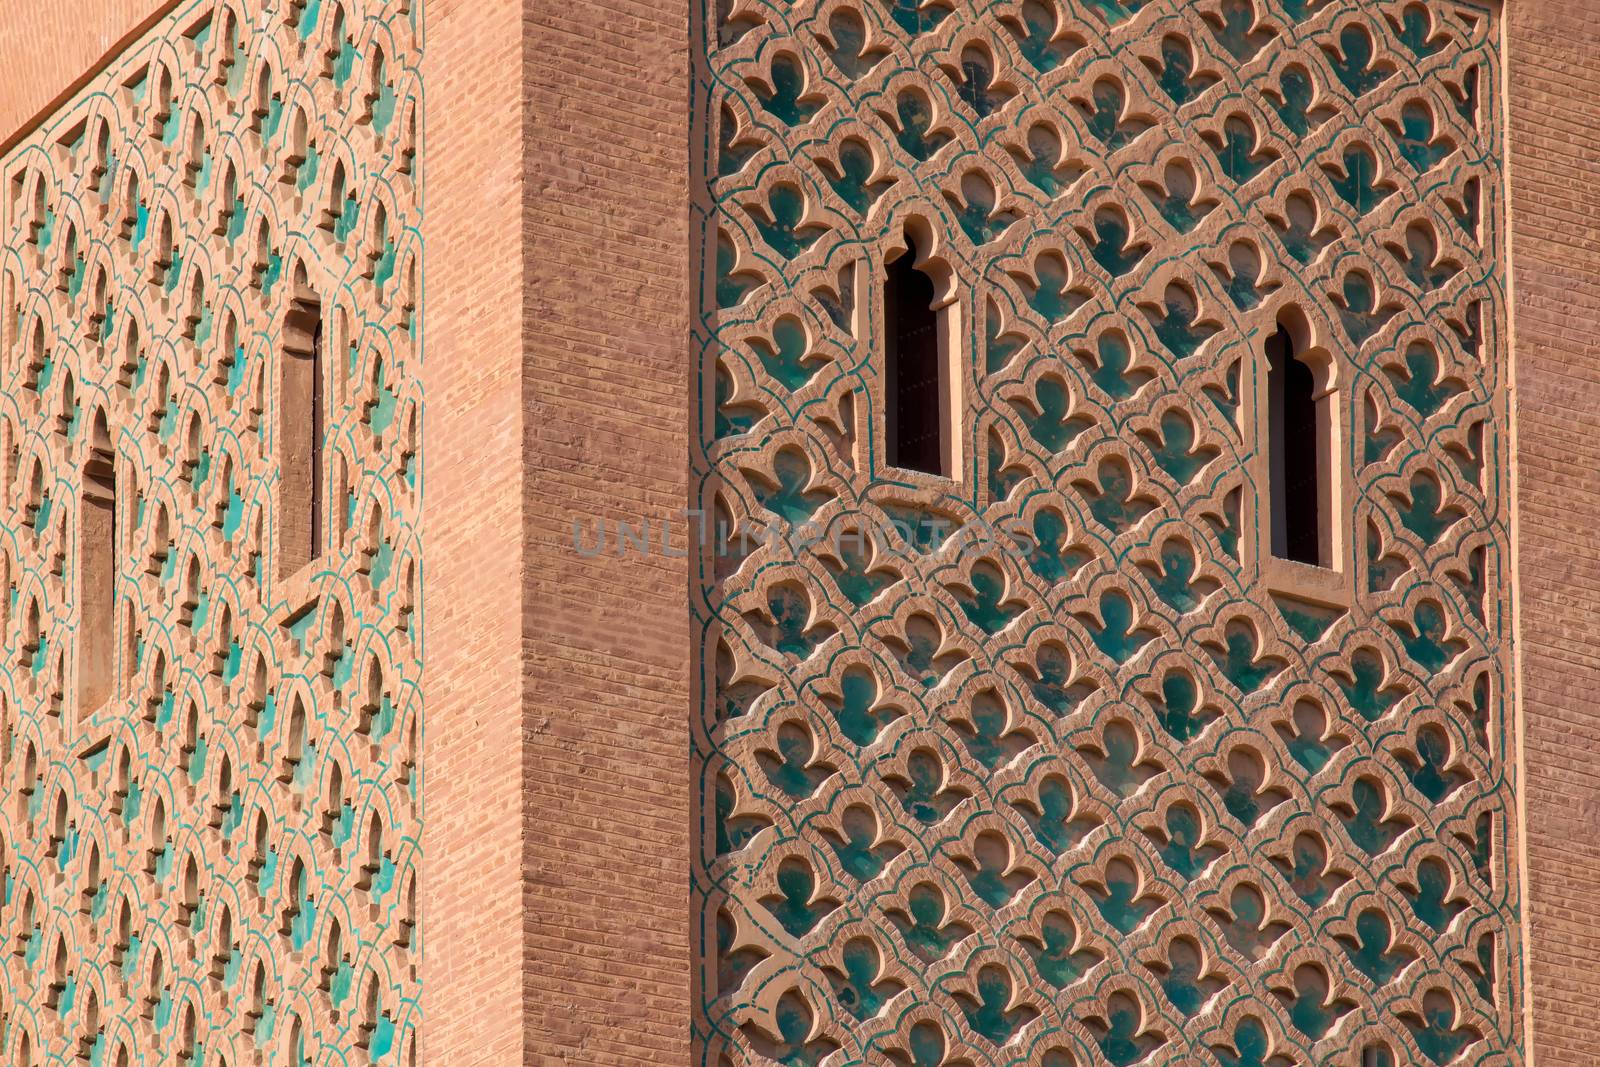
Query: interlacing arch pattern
[[217, 867], [1091, 791]]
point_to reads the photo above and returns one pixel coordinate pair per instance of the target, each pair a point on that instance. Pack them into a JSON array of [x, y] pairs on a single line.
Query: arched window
[[1377, 1056], [1297, 449], [916, 394], [97, 570], [301, 435]]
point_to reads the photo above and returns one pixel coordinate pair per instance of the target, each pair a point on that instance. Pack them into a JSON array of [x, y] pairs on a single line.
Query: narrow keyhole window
[[917, 395], [1298, 455], [301, 436], [97, 571], [317, 444]]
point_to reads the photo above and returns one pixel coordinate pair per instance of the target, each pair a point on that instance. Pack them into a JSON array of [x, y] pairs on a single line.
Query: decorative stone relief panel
[[1051, 762], [216, 864]]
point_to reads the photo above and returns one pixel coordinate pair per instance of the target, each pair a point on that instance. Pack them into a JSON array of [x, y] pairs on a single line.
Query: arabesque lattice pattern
[[218, 866], [1105, 788]]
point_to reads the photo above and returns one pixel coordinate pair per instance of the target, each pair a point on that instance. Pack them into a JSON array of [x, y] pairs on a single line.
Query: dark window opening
[[301, 437], [915, 415], [1295, 447], [97, 573], [318, 443]]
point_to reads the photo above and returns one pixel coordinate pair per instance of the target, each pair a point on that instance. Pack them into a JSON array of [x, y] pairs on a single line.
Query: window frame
[[1327, 584], [951, 308]]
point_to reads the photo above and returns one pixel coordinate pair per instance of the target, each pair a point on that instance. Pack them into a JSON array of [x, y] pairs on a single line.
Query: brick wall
[[51, 49], [915, 708], [575, 773], [1554, 60], [606, 401], [222, 828], [473, 751]]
